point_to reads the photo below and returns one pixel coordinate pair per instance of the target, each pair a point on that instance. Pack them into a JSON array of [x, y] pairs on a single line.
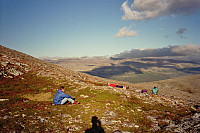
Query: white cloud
[[148, 9], [126, 32]]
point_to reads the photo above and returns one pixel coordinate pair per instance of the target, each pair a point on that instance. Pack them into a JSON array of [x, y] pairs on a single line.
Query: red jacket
[[113, 85]]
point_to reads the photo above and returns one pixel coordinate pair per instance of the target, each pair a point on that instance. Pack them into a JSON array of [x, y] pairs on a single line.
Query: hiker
[[144, 91], [155, 90], [96, 126], [62, 98], [118, 86]]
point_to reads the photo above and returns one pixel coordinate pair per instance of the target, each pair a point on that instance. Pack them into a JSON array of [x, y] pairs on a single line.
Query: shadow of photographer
[[96, 126]]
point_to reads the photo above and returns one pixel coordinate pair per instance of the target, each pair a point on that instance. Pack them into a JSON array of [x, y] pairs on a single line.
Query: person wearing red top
[[113, 85], [118, 86]]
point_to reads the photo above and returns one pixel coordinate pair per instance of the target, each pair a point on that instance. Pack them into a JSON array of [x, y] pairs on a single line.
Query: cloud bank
[[126, 32], [149, 9], [184, 50]]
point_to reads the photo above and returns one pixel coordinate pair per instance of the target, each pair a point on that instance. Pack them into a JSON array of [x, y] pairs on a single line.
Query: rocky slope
[[28, 86]]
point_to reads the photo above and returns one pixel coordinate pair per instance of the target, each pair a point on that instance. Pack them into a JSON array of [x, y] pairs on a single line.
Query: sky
[[77, 28]]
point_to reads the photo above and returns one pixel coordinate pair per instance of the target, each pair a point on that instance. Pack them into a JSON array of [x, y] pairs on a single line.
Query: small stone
[[23, 115], [1, 100], [136, 126], [115, 121], [5, 117], [84, 96]]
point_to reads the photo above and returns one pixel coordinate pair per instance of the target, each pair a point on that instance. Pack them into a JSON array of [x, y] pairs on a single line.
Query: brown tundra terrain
[[28, 85]]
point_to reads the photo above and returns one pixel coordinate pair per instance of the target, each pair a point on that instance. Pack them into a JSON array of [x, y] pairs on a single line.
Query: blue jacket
[[60, 95]]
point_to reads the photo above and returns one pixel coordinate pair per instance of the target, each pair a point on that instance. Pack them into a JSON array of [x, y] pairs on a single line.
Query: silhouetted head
[[95, 122], [96, 126], [94, 119]]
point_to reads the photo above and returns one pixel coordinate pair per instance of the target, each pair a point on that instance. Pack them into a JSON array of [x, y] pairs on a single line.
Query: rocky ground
[[28, 86]]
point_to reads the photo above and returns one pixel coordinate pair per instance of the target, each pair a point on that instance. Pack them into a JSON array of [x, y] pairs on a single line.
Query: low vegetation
[[28, 86], [29, 108]]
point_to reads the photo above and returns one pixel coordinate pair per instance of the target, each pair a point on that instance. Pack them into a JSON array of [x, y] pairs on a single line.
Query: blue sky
[[76, 28]]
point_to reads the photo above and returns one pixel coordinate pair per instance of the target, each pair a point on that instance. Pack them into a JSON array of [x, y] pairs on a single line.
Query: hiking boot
[[76, 102]]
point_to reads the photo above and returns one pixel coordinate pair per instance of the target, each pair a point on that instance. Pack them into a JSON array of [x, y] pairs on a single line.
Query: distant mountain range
[[190, 52]]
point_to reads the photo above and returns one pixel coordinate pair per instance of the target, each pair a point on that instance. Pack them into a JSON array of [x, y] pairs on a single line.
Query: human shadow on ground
[[96, 126]]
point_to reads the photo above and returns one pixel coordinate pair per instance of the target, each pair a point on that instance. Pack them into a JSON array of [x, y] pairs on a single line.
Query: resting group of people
[[154, 90], [62, 98]]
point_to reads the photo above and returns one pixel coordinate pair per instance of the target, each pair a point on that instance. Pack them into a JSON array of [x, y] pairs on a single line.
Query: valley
[[136, 70]]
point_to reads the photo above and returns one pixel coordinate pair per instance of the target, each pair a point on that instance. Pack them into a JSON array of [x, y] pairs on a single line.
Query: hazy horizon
[[191, 51]]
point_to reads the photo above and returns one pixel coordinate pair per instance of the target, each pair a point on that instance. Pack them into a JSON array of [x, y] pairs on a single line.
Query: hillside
[[28, 86]]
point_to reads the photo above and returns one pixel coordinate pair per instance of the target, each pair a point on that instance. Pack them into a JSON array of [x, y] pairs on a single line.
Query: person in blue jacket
[[61, 97], [155, 90]]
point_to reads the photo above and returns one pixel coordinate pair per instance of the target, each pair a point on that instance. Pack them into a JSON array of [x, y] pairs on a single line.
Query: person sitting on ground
[[62, 98], [144, 91], [118, 86], [155, 90]]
